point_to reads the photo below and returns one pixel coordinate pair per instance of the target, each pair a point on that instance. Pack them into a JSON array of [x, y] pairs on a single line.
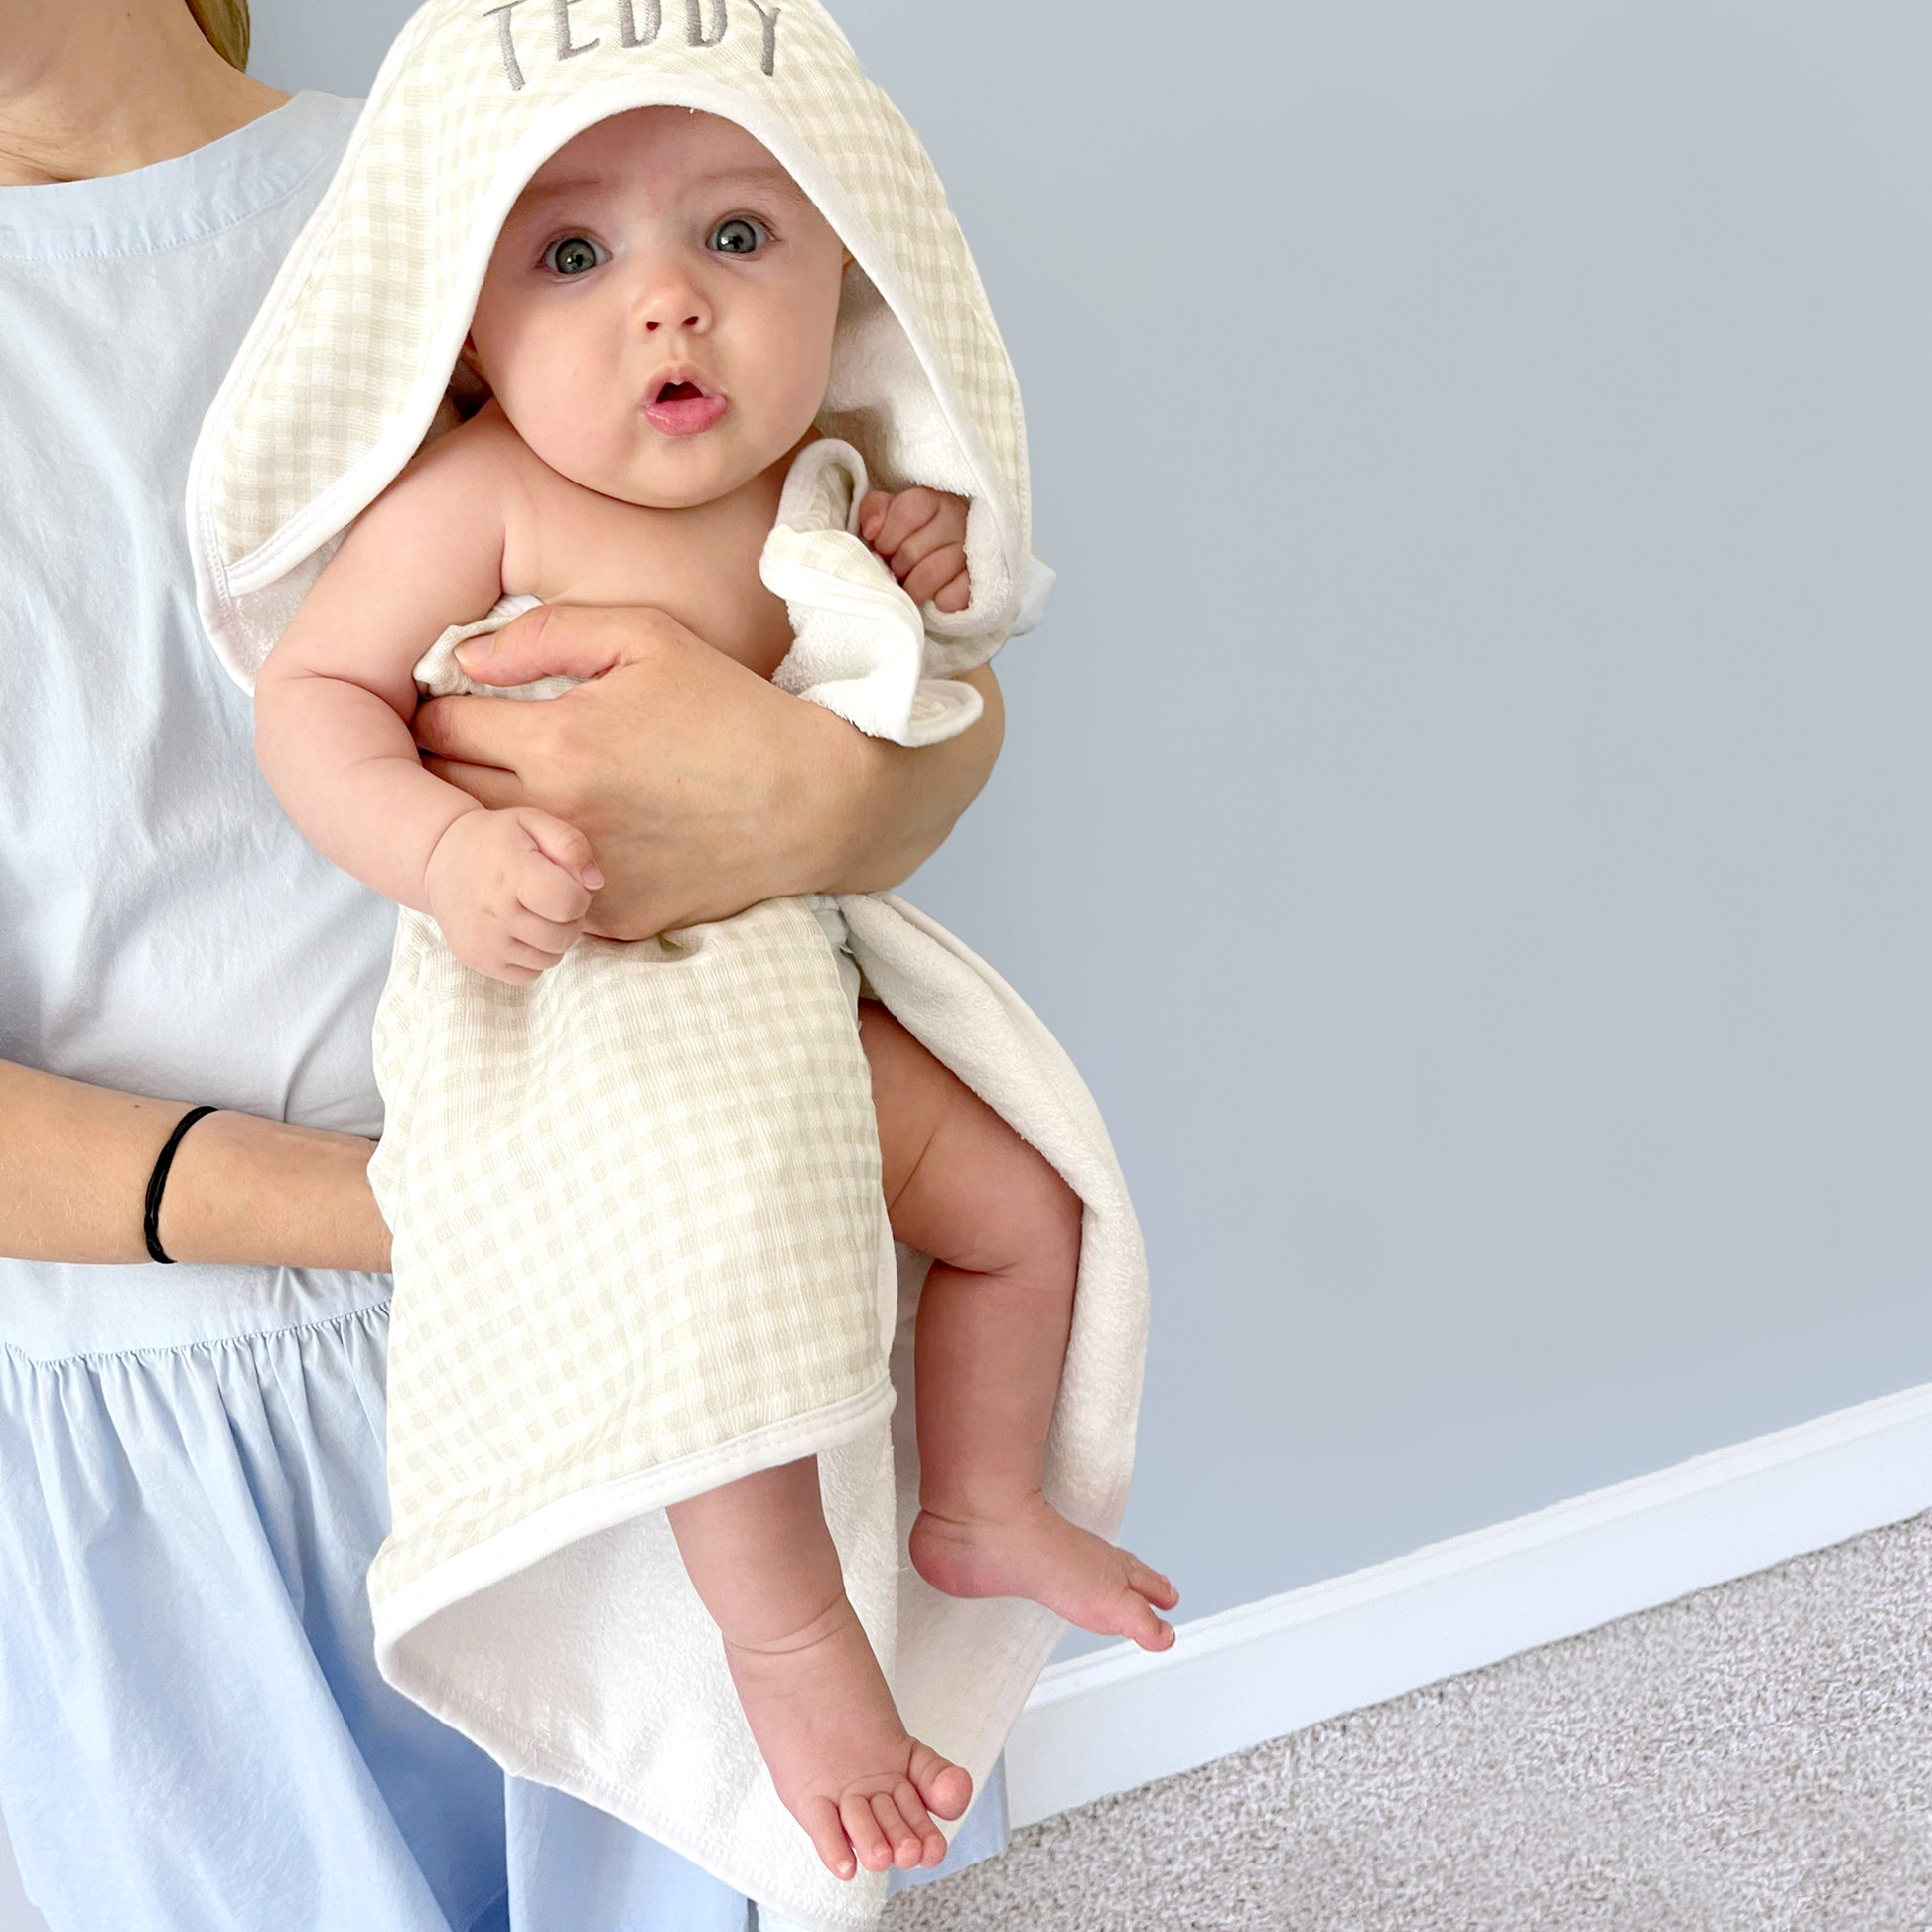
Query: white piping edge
[[587, 1512]]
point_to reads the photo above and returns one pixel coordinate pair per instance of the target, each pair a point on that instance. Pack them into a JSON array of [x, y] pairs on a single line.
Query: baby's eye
[[575, 255], [738, 236]]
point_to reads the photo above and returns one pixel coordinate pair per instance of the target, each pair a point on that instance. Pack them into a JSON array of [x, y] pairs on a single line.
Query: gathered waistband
[[53, 1312]]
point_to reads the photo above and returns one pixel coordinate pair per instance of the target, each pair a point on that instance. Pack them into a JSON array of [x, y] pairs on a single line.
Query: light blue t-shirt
[[164, 929]]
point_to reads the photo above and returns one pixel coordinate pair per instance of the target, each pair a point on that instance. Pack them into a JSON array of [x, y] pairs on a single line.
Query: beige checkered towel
[[638, 1230]]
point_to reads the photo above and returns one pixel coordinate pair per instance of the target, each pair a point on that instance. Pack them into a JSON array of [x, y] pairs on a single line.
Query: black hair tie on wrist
[[150, 1225]]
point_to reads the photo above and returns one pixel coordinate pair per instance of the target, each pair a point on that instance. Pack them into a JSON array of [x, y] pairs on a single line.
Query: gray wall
[[1466, 812]]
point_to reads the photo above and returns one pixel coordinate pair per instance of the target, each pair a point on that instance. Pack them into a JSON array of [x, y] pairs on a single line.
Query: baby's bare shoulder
[[458, 473], [462, 482], [480, 450], [562, 541]]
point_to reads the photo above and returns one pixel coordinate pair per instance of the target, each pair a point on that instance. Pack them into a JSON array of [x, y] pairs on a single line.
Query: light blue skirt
[[193, 1735]]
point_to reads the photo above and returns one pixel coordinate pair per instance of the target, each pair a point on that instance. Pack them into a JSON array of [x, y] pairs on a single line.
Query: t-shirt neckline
[[186, 198]]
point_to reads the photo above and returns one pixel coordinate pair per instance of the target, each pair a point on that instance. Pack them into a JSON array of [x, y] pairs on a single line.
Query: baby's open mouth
[[684, 407]]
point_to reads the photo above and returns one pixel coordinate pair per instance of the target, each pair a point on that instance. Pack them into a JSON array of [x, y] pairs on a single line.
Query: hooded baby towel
[[546, 1411]]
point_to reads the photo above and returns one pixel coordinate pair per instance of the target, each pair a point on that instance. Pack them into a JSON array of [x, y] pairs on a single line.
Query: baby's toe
[[1139, 1622], [905, 1794], [862, 1827], [933, 1840], [905, 1842], [945, 1787], [820, 1817], [1150, 1584]]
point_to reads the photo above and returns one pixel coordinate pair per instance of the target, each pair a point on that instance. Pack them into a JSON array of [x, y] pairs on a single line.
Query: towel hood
[[342, 373]]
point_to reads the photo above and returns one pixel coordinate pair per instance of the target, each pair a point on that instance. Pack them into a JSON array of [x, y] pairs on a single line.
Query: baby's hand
[[511, 890], [922, 535]]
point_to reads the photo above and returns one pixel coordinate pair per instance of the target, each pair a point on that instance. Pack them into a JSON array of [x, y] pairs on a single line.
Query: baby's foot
[[1034, 1552], [824, 1721]]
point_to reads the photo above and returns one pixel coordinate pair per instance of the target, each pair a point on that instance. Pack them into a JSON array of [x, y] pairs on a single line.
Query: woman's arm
[[73, 1179], [702, 787], [901, 803]]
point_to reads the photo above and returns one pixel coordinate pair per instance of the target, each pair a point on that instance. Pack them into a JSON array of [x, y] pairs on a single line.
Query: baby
[[655, 329]]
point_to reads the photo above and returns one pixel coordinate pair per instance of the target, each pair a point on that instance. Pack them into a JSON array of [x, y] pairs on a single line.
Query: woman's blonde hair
[[226, 23]]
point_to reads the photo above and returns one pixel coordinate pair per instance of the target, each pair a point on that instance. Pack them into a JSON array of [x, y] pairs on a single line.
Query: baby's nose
[[674, 302]]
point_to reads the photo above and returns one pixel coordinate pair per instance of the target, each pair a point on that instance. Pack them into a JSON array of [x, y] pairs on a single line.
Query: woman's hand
[[702, 787]]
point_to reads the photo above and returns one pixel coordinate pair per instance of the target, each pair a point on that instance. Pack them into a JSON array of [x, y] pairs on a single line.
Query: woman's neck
[[94, 88]]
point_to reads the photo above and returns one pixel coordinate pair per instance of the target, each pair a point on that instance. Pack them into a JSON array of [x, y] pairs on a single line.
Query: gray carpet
[[1752, 1759]]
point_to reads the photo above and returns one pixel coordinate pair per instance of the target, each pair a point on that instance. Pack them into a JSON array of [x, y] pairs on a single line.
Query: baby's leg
[[764, 1566], [994, 1319]]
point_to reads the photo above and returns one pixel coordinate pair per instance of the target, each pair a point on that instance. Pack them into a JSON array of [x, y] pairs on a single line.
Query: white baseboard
[[1123, 1717]]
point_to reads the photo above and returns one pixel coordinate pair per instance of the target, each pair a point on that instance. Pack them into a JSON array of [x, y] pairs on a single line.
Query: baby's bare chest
[[569, 546]]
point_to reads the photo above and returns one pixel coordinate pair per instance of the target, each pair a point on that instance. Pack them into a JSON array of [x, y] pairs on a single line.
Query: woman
[[191, 1730]]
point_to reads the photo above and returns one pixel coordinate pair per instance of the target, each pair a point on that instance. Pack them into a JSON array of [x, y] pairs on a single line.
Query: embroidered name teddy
[[638, 23]]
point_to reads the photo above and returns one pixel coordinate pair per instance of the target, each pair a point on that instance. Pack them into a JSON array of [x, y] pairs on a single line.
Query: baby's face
[[660, 247]]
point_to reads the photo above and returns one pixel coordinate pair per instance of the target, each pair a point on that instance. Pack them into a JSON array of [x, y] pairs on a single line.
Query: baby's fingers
[[872, 513], [936, 572], [550, 938], [907, 514], [956, 594], [521, 957], [563, 845], [548, 894]]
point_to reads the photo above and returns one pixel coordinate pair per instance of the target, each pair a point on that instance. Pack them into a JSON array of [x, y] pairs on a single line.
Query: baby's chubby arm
[[332, 708]]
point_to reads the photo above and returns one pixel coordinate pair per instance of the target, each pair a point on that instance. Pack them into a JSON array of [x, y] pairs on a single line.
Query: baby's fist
[[921, 536], [512, 890]]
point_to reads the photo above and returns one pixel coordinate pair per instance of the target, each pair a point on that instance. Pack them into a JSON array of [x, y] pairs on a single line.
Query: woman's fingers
[[473, 731], [550, 640], [486, 783]]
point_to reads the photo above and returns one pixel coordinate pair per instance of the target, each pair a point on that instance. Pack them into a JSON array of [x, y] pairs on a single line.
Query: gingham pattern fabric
[[635, 1213], [342, 370]]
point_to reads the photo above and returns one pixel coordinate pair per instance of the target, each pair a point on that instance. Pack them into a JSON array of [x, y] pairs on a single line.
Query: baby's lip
[[671, 378]]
